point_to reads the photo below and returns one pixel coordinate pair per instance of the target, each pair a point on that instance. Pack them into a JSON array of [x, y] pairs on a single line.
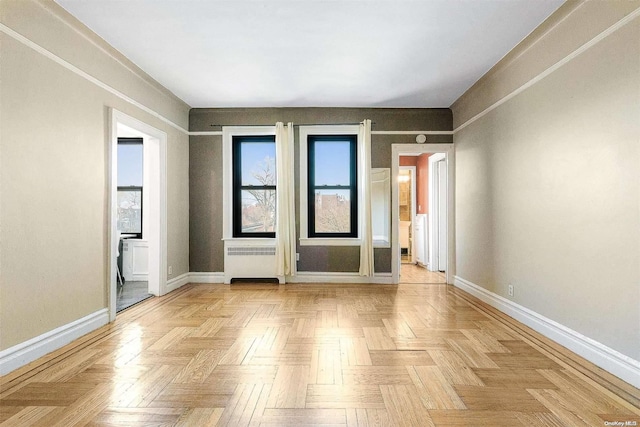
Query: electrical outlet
[[170, 270], [510, 290], [297, 256]]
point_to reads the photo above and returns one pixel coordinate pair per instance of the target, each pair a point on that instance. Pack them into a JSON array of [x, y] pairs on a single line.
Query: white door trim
[[396, 151], [155, 154]]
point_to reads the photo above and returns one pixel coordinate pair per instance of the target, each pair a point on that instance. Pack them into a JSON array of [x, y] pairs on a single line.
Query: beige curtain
[[285, 202], [366, 233]]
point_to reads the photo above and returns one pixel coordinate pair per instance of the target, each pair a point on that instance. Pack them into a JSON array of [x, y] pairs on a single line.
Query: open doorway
[[407, 210], [137, 225], [132, 217], [426, 173]]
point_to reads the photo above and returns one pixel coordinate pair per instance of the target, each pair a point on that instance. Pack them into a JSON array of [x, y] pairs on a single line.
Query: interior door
[[442, 215]]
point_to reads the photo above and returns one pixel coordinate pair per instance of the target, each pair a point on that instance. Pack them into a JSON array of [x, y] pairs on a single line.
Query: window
[[254, 185], [130, 179], [332, 186], [330, 172]]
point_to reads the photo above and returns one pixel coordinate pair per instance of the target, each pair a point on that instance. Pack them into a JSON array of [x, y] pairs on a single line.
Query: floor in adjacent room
[[414, 273], [314, 354], [131, 293]]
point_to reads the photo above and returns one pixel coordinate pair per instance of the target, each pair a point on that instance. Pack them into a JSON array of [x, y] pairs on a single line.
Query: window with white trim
[[332, 190], [254, 186], [249, 192], [329, 176]]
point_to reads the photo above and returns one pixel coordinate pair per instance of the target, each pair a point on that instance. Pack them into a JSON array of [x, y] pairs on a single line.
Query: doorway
[[422, 233], [133, 215], [407, 212], [148, 239]]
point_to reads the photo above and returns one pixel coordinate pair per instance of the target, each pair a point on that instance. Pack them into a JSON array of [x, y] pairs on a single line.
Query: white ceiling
[[319, 53]]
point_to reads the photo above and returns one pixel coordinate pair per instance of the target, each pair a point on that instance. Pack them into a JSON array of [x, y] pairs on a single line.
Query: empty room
[[289, 213]]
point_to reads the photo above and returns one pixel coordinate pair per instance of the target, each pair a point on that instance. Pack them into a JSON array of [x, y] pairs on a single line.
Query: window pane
[[332, 162], [258, 211], [258, 163], [130, 165], [333, 211], [130, 211]]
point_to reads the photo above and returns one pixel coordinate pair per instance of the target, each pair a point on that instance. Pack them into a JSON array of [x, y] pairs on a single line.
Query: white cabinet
[[421, 240], [135, 260]]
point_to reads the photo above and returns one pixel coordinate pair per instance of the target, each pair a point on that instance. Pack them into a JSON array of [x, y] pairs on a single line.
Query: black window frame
[[134, 141], [353, 185], [237, 187], [135, 188]]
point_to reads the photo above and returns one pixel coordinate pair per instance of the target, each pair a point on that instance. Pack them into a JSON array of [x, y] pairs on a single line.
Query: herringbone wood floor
[[358, 355]]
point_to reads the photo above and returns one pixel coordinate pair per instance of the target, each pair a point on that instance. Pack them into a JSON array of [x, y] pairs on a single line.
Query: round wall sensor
[[421, 138]]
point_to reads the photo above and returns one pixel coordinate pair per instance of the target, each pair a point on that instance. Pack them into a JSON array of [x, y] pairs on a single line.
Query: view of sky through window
[[258, 163], [130, 165], [332, 162]]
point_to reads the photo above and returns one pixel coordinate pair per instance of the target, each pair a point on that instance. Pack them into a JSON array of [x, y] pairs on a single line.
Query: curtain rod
[[298, 124]]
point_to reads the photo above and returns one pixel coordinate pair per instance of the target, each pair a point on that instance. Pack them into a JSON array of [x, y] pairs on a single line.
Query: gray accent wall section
[[548, 183], [205, 183], [205, 204]]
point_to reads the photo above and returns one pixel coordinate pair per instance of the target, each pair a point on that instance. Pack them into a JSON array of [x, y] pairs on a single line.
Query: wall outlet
[[510, 290], [170, 270], [297, 256]]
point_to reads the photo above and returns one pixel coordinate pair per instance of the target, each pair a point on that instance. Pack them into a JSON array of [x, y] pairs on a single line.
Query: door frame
[[411, 149], [155, 174]]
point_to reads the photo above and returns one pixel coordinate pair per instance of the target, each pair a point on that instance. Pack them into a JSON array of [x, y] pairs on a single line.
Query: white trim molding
[[339, 277], [19, 355], [178, 282], [69, 66], [586, 46], [206, 277], [206, 133], [411, 132], [612, 361]]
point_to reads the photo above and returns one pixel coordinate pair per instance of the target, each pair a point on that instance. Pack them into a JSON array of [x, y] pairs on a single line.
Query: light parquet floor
[[413, 273], [294, 355]]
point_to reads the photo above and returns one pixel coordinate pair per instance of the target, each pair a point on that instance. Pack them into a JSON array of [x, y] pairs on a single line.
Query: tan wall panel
[[54, 144], [548, 194], [571, 26]]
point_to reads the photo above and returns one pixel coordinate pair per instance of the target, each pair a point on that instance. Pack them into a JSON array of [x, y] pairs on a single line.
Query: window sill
[[381, 243], [329, 241]]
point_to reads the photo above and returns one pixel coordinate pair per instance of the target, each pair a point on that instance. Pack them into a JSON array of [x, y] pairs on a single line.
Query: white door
[[437, 217], [442, 215]]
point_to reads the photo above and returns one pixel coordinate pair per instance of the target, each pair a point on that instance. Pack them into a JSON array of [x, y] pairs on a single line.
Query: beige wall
[[548, 183], [54, 129]]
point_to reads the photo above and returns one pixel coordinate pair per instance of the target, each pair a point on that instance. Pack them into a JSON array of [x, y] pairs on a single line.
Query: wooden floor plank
[[313, 354]]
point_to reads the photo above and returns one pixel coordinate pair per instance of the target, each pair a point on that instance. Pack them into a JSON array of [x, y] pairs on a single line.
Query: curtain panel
[[366, 232], [285, 202]]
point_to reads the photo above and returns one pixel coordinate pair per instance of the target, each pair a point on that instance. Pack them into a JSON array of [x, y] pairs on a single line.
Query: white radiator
[[243, 260]]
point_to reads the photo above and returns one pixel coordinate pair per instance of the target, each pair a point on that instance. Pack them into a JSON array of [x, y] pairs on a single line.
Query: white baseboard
[[204, 277], [140, 277], [612, 361], [302, 277], [331, 277], [177, 282], [28, 351]]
